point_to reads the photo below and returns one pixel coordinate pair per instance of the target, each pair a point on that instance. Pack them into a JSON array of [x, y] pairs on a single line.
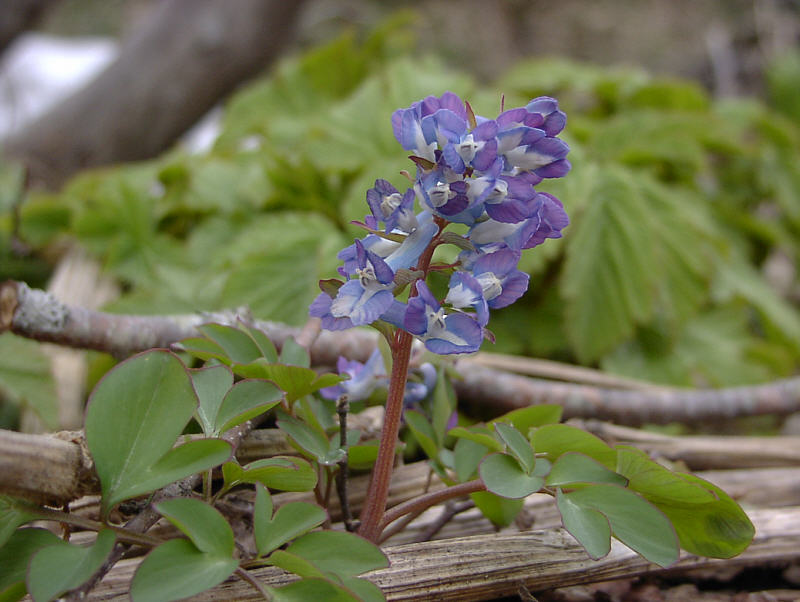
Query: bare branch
[[489, 566], [37, 315], [178, 64], [18, 16]]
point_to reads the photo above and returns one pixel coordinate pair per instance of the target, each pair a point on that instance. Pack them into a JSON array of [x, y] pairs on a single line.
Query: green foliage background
[[676, 201]]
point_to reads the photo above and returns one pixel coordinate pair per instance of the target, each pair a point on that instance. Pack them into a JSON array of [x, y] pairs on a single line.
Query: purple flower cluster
[[470, 170]]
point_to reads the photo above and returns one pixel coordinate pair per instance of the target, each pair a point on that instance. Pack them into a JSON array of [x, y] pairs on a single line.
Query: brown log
[[704, 452], [185, 57], [45, 469], [488, 566]]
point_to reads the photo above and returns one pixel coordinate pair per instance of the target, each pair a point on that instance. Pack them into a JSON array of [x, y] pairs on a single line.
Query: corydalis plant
[[470, 170]]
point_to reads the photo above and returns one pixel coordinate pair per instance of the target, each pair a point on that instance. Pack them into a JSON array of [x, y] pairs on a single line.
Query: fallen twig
[[35, 314]]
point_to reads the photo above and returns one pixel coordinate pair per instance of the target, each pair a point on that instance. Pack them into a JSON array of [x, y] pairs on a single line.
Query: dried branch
[[19, 16], [184, 57], [503, 392], [35, 314], [490, 566], [46, 469]]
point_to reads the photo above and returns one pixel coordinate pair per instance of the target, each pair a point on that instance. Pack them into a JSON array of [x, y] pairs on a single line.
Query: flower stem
[[378, 490], [425, 501]]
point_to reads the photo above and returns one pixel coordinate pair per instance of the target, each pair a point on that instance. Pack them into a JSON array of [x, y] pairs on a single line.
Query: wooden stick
[[489, 566], [35, 314]]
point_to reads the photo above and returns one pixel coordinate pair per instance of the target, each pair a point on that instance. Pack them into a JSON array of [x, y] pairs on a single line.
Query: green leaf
[[296, 381], [590, 527], [745, 282], [59, 568], [245, 400], [364, 590], [239, 346], [656, 482], [517, 444], [362, 457], [176, 464], [423, 432], [286, 473], [574, 468], [503, 475], [607, 280], [135, 414], [287, 253], [265, 345], [636, 247], [14, 513], [467, 455], [719, 529], [290, 521], [203, 525], [500, 510], [294, 354], [477, 434], [211, 383], [25, 377], [633, 520], [557, 439], [16, 554], [708, 522], [310, 440], [293, 563], [524, 419], [444, 404], [324, 550], [177, 569], [312, 589], [204, 349]]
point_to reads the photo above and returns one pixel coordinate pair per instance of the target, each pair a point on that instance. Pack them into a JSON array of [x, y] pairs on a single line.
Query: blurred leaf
[[14, 513], [634, 243], [15, 555], [25, 377], [444, 404], [423, 433], [783, 80], [59, 568]]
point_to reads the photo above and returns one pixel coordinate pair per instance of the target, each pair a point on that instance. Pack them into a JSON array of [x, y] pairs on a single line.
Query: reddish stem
[[378, 491], [425, 501]]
